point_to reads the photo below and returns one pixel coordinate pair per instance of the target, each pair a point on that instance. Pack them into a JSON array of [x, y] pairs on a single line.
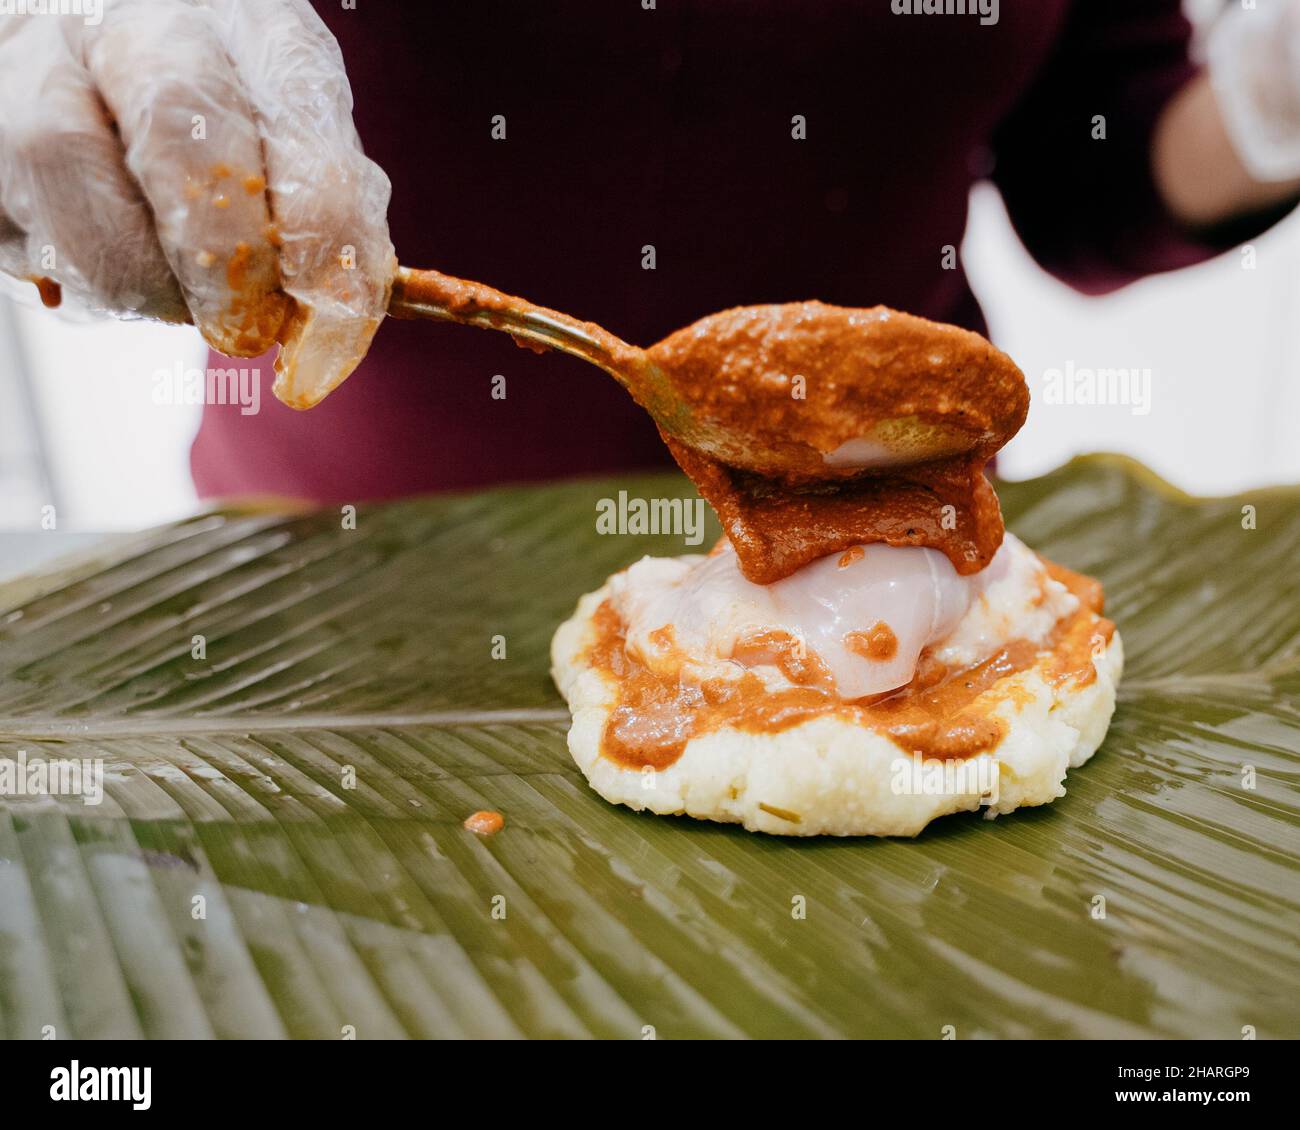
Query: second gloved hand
[[1254, 61]]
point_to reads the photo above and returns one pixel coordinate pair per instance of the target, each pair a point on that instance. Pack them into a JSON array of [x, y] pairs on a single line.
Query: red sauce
[[237, 266], [776, 529], [849, 556], [941, 399], [255, 317], [877, 642], [789, 655], [485, 823], [532, 346], [467, 299], [51, 292], [939, 714], [760, 396], [665, 639]]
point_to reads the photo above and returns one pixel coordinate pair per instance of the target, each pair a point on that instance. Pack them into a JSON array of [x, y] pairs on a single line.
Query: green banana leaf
[[232, 884]]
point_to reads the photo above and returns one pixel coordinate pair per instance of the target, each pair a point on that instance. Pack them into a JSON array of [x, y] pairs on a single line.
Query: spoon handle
[[431, 294]]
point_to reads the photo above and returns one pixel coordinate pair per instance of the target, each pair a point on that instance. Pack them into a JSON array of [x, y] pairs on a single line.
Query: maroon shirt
[[672, 127]]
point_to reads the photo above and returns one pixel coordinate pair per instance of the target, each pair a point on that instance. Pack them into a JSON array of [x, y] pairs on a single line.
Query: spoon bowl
[[800, 392]]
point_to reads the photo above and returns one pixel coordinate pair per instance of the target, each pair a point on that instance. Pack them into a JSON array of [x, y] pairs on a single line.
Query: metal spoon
[[803, 392]]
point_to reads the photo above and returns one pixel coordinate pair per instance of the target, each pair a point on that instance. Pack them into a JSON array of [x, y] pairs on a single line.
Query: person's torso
[[766, 151]]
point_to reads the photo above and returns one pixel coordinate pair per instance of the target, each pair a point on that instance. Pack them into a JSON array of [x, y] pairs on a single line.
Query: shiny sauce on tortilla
[[942, 714]]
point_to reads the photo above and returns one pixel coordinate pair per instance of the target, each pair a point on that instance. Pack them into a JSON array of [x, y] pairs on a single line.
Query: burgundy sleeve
[[1088, 210]]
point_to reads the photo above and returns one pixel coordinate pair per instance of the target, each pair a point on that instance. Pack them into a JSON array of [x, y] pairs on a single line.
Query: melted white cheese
[[711, 607]]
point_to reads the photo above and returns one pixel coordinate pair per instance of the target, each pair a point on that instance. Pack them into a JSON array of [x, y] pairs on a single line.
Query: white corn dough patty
[[833, 776]]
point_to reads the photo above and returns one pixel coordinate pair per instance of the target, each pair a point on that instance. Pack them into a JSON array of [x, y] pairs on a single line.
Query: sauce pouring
[[809, 428]]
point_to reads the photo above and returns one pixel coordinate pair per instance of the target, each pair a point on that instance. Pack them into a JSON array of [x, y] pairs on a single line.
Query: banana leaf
[[280, 850]]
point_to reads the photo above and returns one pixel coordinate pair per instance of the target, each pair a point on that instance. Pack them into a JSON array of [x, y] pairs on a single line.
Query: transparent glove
[[196, 160], [1254, 60]]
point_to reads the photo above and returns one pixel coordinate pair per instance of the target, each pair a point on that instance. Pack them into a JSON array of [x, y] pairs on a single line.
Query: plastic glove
[[1254, 60], [197, 160]]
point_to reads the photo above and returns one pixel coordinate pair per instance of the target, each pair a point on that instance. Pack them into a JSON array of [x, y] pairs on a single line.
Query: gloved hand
[[196, 159], [1254, 61]]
